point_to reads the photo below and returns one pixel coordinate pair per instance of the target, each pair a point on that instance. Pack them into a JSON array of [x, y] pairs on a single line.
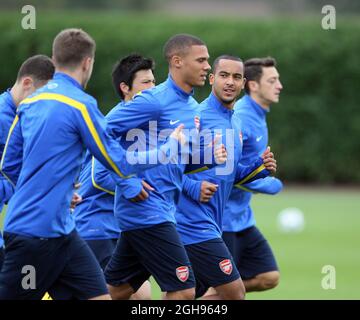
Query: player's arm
[[268, 185], [191, 187], [207, 152], [6, 190], [122, 121], [101, 177], [92, 129], [198, 190], [133, 115], [11, 161], [261, 168], [107, 181], [246, 174]]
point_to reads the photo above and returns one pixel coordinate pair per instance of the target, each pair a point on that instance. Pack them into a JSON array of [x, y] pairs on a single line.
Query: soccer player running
[[199, 219], [34, 72], [250, 250], [48, 136], [94, 216], [149, 243]]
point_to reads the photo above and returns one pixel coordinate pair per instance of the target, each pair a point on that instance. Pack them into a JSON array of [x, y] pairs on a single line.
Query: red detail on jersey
[[182, 273], [226, 266], [197, 123], [241, 137]]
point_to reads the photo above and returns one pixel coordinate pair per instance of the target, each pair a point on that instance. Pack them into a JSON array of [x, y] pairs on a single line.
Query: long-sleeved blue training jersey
[[47, 141], [94, 215], [155, 112], [7, 115], [197, 221], [8, 112], [238, 214]]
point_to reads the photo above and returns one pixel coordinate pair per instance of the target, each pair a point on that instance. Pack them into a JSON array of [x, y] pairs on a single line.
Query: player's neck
[[262, 103], [16, 94], [180, 82], [75, 74], [226, 104]]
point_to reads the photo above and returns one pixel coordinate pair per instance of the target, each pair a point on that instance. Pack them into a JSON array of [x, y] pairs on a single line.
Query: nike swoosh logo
[[174, 122], [258, 139]]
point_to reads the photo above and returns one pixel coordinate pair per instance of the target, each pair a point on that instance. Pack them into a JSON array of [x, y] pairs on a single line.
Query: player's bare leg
[[211, 294], [121, 292], [187, 294], [102, 297], [143, 293], [263, 281], [234, 290]]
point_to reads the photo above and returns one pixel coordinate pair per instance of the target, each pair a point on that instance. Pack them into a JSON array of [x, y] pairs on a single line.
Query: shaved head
[[180, 45]]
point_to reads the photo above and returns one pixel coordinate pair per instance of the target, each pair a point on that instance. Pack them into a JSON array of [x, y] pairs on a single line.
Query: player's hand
[[76, 199], [220, 152], [207, 191], [143, 195], [77, 185], [269, 160], [179, 135]]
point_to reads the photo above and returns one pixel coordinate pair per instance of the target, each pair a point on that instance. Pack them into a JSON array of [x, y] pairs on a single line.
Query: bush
[[314, 130]]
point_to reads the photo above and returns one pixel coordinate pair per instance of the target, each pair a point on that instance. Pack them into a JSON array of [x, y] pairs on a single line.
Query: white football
[[291, 220]]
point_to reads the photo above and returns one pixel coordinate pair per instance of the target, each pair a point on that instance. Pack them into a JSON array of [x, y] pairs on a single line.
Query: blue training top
[[7, 115], [152, 114], [94, 215], [44, 153], [238, 214], [197, 221]]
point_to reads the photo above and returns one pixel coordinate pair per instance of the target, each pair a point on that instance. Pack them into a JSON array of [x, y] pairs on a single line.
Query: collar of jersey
[[215, 102], [64, 76], [171, 83], [9, 100]]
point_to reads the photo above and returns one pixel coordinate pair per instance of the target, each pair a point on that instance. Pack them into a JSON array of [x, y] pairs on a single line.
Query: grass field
[[331, 237]]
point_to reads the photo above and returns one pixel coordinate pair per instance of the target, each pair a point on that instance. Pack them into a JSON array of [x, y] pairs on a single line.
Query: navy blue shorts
[[65, 262], [212, 263], [102, 249], [251, 252], [156, 251]]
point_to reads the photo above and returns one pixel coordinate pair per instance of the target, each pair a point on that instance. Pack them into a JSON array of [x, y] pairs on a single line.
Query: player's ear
[[211, 78], [86, 63], [253, 85], [26, 82], [124, 88], [244, 82], [176, 61]]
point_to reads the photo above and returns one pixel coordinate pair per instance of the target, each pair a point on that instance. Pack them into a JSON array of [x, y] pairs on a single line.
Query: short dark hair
[[254, 69], [179, 44], [125, 69], [40, 68], [71, 46], [224, 57]]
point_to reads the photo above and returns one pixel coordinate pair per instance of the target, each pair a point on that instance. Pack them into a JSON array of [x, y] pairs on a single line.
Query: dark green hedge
[[314, 130]]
